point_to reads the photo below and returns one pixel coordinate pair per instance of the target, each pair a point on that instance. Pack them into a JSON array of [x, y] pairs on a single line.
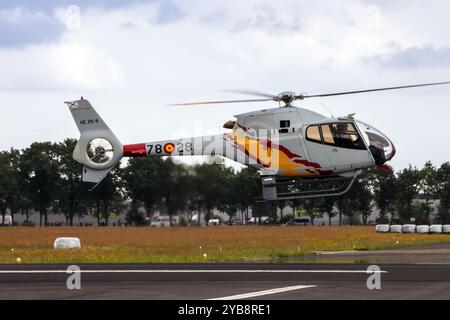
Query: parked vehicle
[[214, 222], [299, 221], [164, 221], [258, 220], [7, 222], [234, 222]]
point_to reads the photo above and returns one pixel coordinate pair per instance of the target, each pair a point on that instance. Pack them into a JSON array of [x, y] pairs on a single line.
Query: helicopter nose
[[393, 152], [381, 147]]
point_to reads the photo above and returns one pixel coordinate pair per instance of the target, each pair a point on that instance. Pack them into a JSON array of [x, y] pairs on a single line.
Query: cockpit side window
[[313, 134], [327, 134], [343, 135]]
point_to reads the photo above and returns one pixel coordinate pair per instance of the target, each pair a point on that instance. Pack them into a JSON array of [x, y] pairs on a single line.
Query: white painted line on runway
[[263, 293], [189, 271], [433, 263]]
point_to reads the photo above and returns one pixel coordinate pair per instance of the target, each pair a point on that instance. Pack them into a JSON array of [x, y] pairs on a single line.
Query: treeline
[[44, 178], [409, 195]]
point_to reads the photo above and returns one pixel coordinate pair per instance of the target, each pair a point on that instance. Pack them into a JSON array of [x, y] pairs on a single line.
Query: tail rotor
[[98, 149]]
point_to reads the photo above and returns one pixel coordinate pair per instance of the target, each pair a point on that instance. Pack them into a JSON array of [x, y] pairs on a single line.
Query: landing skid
[[281, 188]]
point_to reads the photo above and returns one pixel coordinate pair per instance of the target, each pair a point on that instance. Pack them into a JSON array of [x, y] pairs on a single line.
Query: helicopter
[[298, 152]]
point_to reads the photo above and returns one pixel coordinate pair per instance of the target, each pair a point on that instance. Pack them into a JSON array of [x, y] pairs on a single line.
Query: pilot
[[348, 137], [343, 137]]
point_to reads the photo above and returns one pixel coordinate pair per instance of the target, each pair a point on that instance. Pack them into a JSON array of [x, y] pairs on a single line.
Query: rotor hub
[[287, 97], [100, 151]]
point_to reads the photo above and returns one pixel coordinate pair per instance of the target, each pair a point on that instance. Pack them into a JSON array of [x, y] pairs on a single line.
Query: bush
[[134, 216], [183, 221], [421, 212], [286, 218]]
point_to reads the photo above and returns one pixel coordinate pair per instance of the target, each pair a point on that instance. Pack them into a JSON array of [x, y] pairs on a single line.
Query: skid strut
[[281, 188]]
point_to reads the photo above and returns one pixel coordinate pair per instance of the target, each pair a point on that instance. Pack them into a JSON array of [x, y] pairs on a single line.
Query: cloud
[[49, 5], [20, 26], [131, 59], [265, 18], [31, 22], [56, 67], [168, 12], [415, 57]]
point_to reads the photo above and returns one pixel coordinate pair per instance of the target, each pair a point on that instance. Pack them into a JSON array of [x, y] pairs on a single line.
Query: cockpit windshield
[[380, 146]]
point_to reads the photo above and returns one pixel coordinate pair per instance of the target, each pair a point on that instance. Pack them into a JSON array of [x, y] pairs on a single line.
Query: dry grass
[[35, 245]]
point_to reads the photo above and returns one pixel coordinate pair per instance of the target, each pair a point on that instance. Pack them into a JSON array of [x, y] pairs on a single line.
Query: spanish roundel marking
[[169, 147]]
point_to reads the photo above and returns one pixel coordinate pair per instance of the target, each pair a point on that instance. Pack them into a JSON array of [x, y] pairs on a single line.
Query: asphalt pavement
[[256, 281]]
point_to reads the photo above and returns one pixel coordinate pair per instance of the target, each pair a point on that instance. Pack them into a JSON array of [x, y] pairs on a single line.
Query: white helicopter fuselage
[[289, 141]]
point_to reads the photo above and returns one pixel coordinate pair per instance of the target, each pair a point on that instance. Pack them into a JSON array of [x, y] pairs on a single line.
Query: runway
[[225, 281]]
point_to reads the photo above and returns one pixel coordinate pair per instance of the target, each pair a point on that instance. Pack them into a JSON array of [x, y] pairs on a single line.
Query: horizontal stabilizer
[[94, 176]]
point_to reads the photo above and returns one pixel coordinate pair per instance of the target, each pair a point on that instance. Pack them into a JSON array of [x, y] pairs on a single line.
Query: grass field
[[191, 244]]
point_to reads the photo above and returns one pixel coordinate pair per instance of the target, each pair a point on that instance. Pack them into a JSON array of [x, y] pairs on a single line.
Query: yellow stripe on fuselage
[[271, 157]]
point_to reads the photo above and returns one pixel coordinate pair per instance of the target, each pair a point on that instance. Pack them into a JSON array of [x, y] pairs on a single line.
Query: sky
[[132, 58]]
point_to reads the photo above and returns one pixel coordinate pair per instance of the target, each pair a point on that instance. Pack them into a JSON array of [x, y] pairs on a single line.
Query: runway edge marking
[[188, 271], [264, 292]]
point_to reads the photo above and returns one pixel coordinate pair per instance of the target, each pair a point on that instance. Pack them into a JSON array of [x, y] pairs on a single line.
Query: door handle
[[335, 150]]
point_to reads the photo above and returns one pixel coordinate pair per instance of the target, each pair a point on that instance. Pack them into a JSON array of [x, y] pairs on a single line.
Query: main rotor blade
[[373, 90], [252, 93], [217, 102]]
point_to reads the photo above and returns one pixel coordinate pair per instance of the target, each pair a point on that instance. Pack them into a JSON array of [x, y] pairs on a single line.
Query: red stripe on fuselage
[[134, 150]]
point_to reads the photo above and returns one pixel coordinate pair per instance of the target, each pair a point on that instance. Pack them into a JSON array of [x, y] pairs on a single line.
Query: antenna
[[323, 105]]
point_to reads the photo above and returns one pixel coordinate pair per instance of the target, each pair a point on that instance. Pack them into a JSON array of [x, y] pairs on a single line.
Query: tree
[[311, 208], [25, 207], [174, 185], [326, 206], [228, 199], [10, 194], [341, 205], [269, 209], [72, 190], [143, 178], [383, 184], [134, 216], [109, 194], [39, 176], [444, 193], [365, 196], [281, 204], [429, 187], [408, 184], [210, 184], [245, 187], [4, 169], [358, 201]]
